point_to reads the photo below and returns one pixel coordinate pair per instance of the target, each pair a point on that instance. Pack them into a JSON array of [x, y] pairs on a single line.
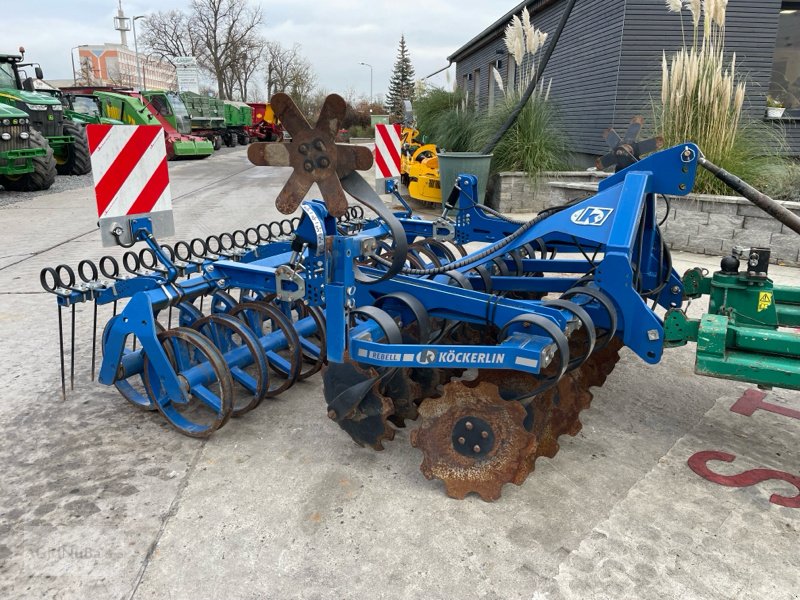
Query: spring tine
[[94, 340], [201, 303], [72, 352], [61, 349], [134, 343], [115, 309], [169, 317]]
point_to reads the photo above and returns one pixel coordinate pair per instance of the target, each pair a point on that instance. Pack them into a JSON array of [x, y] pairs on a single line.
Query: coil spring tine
[[202, 253], [264, 237], [61, 351], [72, 352], [69, 284], [217, 244], [286, 227], [94, 340], [92, 276], [131, 262]]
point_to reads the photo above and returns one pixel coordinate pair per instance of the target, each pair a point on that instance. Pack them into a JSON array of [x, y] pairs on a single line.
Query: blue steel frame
[[618, 223]]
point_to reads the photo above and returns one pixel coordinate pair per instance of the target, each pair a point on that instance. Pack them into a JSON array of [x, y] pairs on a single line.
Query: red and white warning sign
[[387, 151], [129, 167]]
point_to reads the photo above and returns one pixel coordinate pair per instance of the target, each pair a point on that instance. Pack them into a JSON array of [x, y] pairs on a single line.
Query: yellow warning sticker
[[764, 300]]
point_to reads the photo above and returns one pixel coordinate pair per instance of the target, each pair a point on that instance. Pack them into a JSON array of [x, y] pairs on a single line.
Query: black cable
[[489, 147], [498, 245]]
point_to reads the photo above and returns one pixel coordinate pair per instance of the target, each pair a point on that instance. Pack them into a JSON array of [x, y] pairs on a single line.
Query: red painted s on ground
[[698, 464]]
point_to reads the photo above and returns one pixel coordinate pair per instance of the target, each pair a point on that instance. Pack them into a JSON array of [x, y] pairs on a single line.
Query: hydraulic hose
[[760, 199], [487, 149]]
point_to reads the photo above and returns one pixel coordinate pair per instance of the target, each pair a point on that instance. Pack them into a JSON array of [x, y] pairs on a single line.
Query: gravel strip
[[62, 184]]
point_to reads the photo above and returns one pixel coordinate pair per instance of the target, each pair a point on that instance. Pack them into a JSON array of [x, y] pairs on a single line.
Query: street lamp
[[139, 74], [370, 79], [72, 59]]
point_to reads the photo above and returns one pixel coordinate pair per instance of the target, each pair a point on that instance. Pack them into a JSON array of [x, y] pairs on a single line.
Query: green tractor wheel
[[77, 160], [44, 169]]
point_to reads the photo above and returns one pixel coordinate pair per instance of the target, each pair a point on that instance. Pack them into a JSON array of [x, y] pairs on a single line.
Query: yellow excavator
[[419, 167]]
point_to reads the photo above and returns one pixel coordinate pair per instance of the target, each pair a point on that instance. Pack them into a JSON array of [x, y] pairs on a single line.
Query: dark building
[[607, 65]]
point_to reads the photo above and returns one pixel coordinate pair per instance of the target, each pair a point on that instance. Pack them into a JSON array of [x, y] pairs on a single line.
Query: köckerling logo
[[591, 215]]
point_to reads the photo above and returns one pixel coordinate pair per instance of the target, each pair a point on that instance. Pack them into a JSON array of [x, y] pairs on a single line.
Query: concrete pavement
[[101, 500]]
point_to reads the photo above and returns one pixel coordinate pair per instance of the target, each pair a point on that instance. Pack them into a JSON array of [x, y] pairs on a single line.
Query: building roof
[[496, 28]]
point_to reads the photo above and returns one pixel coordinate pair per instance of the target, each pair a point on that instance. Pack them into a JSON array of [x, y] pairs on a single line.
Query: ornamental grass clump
[[536, 141], [702, 98]]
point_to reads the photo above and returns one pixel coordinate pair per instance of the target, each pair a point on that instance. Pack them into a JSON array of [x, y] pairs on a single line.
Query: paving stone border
[[699, 223]]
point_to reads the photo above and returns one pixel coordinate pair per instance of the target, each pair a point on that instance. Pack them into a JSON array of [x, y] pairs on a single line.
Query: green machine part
[[238, 114], [26, 160], [17, 150], [170, 106], [206, 113], [131, 111], [124, 109], [66, 138], [750, 332], [86, 109]]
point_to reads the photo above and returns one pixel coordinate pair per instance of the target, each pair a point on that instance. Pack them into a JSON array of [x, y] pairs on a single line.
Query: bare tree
[[224, 27], [170, 34], [290, 72], [219, 33], [246, 61]]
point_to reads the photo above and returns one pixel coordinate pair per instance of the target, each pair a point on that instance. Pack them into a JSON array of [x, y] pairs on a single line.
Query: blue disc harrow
[[486, 332]]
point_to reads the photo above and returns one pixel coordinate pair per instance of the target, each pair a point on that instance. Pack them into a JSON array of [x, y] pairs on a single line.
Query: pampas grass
[[702, 99], [536, 141], [523, 41]]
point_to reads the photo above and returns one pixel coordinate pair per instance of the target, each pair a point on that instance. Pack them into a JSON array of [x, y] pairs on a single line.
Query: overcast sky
[[336, 35]]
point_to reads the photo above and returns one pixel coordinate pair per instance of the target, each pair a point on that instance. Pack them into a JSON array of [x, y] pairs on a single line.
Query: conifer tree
[[401, 85]]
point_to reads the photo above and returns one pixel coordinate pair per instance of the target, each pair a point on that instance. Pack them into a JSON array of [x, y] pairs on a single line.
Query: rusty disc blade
[[473, 441], [367, 422], [557, 411]]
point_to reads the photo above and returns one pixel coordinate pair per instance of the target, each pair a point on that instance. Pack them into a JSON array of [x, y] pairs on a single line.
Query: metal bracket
[[289, 285], [443, 230], [121, 231]]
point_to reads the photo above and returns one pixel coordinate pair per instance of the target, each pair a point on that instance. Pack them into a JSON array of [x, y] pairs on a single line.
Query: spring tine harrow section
[[483, 334]]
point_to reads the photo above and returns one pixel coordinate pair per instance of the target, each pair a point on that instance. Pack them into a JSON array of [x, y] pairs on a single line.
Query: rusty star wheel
[[473, 441], [313, 154]]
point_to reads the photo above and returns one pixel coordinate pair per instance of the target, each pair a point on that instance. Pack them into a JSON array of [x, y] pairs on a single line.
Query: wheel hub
[[473, 437]]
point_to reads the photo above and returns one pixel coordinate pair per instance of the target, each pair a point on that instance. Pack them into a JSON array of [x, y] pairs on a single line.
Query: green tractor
[[26, 160], [85, 108], [171, 108], [66, 138], [128, 107]]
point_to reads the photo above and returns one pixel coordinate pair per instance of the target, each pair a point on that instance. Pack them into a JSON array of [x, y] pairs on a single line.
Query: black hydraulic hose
[[487, 149], [760, 199]]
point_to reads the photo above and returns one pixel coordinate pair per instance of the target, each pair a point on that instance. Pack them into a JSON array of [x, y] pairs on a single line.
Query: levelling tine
[[72, 353], [61, 349], [169, 317], [94, 340], [115, 309]]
